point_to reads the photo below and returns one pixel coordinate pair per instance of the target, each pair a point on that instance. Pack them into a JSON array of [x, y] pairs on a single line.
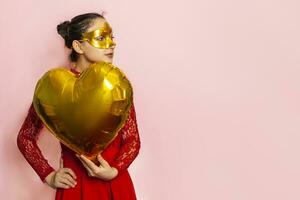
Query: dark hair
[[72, 30]]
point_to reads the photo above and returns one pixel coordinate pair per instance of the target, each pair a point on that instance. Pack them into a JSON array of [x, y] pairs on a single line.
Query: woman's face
[[98, 44]]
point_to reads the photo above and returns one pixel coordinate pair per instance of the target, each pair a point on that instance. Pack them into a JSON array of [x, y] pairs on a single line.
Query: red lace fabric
[[26, 141], [32, 126], [131, 142]]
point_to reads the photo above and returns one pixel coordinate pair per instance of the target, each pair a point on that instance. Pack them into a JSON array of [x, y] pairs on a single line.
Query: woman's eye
[[100, 38]]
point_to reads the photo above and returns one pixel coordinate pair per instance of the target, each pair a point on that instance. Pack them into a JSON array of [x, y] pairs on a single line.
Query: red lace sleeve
[[130, 143], [26, 141]]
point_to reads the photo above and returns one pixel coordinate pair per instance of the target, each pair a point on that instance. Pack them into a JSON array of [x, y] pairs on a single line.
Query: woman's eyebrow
[[110, 32]]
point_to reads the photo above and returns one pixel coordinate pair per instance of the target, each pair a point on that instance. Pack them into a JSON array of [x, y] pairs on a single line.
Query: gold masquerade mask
[[100, 38]]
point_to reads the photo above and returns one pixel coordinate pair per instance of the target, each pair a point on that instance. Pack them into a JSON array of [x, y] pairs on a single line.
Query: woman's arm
[[130, 144], [26, 141]]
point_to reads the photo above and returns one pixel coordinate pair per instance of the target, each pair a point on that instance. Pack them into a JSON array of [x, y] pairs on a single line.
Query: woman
[[90, 38]]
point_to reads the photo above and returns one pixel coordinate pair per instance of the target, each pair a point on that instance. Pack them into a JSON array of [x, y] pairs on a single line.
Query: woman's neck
[[82, 63]]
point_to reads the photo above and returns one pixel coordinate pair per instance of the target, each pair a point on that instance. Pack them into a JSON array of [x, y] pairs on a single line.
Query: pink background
[[216, 91]]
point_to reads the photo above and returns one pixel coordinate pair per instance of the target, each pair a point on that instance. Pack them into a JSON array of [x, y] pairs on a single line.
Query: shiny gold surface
[[86, 112], [100, 38]]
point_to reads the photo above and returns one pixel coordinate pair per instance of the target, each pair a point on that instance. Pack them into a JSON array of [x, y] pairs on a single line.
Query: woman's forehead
[[97, 23]]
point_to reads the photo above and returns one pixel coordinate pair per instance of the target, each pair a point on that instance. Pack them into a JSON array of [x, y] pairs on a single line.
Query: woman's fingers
[[64, 178], [69, 171], [62, 185], [89, 163], [102, 161], [67, 176], [61, 163], [66, 181], [87, 168]]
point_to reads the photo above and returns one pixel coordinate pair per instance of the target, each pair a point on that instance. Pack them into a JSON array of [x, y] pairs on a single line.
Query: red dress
[[120, 153]]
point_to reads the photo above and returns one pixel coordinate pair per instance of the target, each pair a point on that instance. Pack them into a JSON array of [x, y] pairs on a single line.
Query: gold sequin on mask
[[100, 38]]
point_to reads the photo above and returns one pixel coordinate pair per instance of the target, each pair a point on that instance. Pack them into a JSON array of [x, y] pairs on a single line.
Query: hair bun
[[63, 29]]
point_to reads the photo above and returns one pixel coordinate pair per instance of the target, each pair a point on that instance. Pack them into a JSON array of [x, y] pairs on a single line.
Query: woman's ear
[[77, 46]]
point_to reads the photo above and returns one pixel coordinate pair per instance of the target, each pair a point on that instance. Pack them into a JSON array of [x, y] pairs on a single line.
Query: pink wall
[[216, 91]]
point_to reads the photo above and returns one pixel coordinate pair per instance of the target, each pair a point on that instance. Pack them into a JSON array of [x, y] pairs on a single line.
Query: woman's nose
[[112, 46]]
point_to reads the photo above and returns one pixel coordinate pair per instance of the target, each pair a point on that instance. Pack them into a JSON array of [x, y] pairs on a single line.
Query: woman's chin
[[104, 60], [109, 60]]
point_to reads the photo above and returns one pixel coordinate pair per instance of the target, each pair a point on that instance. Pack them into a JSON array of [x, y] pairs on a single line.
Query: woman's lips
[[110, 54]]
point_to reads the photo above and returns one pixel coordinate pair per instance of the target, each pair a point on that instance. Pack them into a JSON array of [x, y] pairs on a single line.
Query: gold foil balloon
[[85, 113]]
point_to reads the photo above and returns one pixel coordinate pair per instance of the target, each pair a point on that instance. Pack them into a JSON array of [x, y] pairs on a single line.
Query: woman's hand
[[104, 171], [62, 178]]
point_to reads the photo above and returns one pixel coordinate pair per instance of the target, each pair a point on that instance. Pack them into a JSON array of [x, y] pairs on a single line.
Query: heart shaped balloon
[[85, 113]]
